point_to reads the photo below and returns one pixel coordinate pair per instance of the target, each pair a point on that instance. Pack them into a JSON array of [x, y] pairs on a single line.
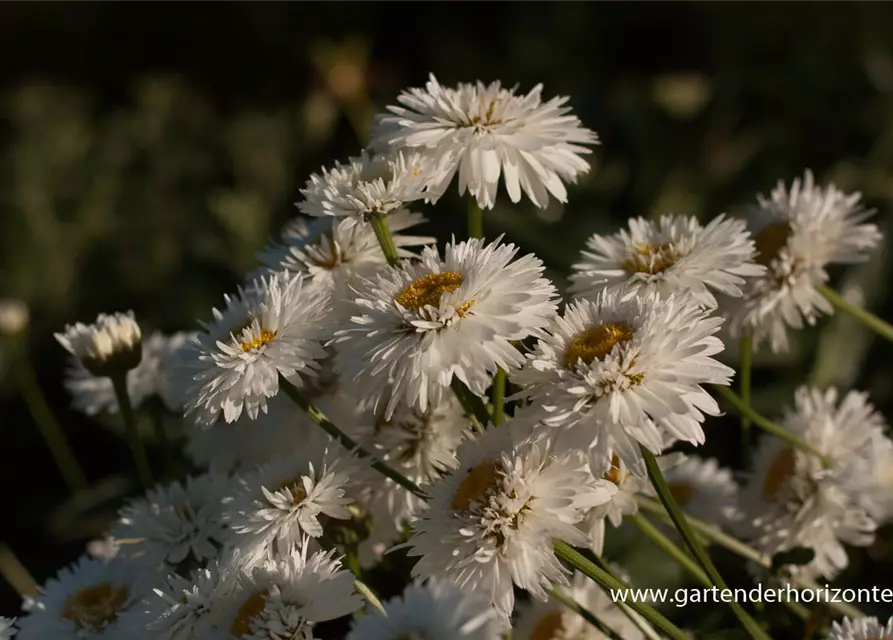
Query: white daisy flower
[[491, 522], [483, 130], [551, 620], [283, 599], [626, 371], [109, 346], [85, 601], [337, 252], [673, 255], [799, 232], [420, 324], [274, 508], [274, 329], [94, 394], [175, 524], [438, 610], [702, 488], [421, 446], [861, 629], [367, 185], [791, 501], [7, 630], [13, 319]]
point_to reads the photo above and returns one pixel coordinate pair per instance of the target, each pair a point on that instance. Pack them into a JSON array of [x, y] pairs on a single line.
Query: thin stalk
[[471, 404], [767, 425], [671, 549], [864, 316], [46, 424], [745, 377], [119, 383], [611, 584], [681, 524], [367, 592], [156, 414], [346, 441], [15, 573], [498, 397], [714, 534], [584, 613], [379, 224], [475, 219]]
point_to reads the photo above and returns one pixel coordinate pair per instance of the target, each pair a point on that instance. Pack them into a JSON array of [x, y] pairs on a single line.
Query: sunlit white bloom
[[551, 620], [7, 630], [702, 488], [491, 522], [438, 610], [619, 372], [367, 184], [109, 346], [799, 232], [861, 629], [675, 254], [85, 600], [421, 446], [175, 523], [94, 394], [275, 507], [482, 131], [791, 500], [273, 329], [420, 324], [282, 599], [13, 319]]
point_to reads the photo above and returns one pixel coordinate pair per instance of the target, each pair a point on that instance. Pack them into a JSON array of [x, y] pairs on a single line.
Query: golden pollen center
[[596, 343], [257, 341], [770, 241], [250, 609], [295, 487], [682, 493], [95, 606], [427, 290], [613, 474], [780, 471], [549, 627], [650, 258], [476, 485]]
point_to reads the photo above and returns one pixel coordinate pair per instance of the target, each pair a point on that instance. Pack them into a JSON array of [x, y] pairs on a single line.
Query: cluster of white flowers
[[352, 325]]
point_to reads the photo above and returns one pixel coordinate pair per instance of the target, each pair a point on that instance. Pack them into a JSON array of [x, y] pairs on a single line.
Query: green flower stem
[[745, 377], [346, 441], [156, 414], [379, 224], [475, 219], [119, 383], [498, 397], [367, 592], [15, 573], [471, 404], [681, 524], [584, 613], [867, 318], [608, 582], [714, 534], [43, 418], [671, 549], [767, 425]]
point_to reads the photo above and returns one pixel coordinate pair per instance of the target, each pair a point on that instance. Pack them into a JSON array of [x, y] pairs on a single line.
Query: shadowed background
[[148, 150]]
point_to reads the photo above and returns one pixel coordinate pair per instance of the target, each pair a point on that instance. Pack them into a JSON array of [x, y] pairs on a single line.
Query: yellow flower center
[[548, 627], [682, 493], [780, 471], [427, 291], [596, 343], [295, 487], [770, 241], [479, 481], [487, 118], [250, 609], [650, 258], [257, 341], [95, 606], [613, 474]]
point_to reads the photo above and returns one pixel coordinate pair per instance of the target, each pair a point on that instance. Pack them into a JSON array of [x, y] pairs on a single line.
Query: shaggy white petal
[[861, 629]]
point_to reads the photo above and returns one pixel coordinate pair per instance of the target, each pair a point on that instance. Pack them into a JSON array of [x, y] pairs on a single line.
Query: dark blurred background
[[149, 149]]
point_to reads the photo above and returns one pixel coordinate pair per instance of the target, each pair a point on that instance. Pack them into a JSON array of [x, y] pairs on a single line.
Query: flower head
[[7, 630], [673, 255], [110, 346], [418, 325], [799, 232], [483, 131], [275, 328], [437, 610], [861, 629], [702, 488]]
